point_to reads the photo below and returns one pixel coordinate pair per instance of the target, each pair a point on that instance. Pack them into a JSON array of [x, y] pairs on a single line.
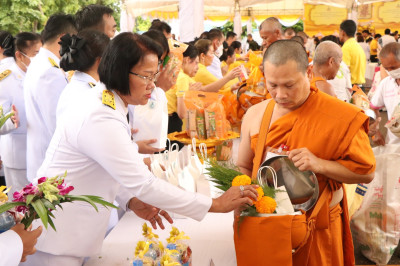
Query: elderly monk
[[326, 64], [323, 135], [270, 31]]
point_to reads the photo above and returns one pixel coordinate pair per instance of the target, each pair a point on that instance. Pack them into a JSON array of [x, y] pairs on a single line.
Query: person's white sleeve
[[377, 99], [52, 83], [118, 156], [11, 248]]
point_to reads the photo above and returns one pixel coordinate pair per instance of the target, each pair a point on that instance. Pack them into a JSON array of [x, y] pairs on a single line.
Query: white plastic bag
[[376, 225], [284, 205]]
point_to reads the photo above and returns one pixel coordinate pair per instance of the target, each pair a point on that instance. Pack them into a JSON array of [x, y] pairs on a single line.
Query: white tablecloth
[[212, 238]]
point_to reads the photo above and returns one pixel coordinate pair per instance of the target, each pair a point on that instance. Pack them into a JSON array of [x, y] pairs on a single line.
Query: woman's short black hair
[[124, 52], [159, 38], [160, 26], [83, 57], [191, 52], [236, 44]]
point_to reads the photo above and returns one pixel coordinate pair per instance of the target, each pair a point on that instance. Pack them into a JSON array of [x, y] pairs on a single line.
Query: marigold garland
[[265, 205], [241, 180]]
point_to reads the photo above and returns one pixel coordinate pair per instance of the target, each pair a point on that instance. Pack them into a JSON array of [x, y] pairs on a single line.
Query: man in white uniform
[[388, 92], [43, 85], [217, 38]]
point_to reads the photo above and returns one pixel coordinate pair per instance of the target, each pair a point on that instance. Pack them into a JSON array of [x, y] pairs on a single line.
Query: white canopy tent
[[193, 12]]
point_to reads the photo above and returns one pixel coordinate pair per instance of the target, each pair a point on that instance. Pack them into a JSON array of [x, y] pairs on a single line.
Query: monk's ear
[[309, 72]]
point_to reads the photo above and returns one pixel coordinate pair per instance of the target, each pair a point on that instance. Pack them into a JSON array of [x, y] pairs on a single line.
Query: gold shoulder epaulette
[[4, 74], [70, 74], [91, 84], [53, 63], [108, 99]]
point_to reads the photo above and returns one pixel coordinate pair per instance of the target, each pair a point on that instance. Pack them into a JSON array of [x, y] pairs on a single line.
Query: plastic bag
[[376, 225], [202, 107]]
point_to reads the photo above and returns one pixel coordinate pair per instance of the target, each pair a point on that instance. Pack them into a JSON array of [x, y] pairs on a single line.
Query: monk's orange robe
[[331, 130], [314, 81]]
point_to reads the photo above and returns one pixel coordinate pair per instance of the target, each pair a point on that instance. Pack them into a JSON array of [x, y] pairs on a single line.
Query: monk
[[326, 63], [323, 135]]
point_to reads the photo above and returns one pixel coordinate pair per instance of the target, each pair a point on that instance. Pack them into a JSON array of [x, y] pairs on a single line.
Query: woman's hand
[[234, 73], [234, 198], [195, 86], [149, 213]]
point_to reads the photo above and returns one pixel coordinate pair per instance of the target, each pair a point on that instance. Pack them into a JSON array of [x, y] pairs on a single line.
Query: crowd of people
[[81, 95]]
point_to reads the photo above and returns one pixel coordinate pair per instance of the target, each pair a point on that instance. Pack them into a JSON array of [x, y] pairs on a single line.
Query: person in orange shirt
[[323, 135], [326, 63]]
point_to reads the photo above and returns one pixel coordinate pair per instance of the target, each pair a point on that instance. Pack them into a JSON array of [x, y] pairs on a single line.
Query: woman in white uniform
[[13, 144], [94, 145], [81, 54]]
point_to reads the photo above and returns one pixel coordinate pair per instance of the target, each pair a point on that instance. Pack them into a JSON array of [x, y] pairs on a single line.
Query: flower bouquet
[[38, 201]]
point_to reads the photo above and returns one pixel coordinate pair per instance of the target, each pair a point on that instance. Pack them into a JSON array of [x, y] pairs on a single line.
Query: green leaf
[[51, 222], [48, 204], [83, 198], [100, 200], [27, 220], [29, 199], [9, 205], [41, 211], [51, 214]]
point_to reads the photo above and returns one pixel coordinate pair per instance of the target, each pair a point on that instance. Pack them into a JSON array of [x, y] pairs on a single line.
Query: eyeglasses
[[148, 79]]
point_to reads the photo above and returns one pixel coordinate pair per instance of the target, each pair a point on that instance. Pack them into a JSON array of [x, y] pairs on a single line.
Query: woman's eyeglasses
[[148, 79]]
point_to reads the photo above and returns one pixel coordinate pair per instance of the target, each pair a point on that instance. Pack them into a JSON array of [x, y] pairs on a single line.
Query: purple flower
[[18, 196], [64, 190], [41, 180], [22, 209], [30, 189]]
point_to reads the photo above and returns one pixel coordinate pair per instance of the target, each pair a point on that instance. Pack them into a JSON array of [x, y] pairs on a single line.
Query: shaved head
[[283, 51], [271, 24], [326, 50]]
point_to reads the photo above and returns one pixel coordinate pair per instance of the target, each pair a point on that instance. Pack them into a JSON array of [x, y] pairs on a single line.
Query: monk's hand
[[378, 139], [305, 160], [235, 198], [374, 127]]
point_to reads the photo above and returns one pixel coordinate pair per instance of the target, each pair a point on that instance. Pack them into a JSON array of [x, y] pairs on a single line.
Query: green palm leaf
[[9, 205], [41, 211]]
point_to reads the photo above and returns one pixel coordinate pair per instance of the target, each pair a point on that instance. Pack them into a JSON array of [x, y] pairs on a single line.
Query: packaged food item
[[191, 127], [224, 150], [359, 98], [200, 123], [243, 74], [179, 248], [210, 123]]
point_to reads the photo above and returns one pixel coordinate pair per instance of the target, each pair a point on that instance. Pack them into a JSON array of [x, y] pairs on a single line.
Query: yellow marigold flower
[[265, 205], [241, 180], [260, 192]]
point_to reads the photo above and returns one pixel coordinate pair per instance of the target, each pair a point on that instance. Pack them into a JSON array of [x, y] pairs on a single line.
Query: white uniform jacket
[[93, 143], [6, 63], [13, 143], [80, 82], [42, 88]]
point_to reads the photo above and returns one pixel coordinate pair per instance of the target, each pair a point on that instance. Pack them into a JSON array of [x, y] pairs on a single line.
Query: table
[[212, 238]]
